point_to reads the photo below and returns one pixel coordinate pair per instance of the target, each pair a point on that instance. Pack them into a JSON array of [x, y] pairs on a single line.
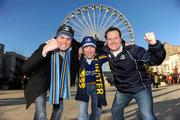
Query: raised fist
[[150, 38]]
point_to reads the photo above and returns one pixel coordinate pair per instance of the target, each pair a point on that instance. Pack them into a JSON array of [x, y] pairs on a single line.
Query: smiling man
[[46, 66], [91, 82], [127, 63]]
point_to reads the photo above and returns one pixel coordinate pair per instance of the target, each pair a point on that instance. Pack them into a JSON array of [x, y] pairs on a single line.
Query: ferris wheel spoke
[[94, 18], [90, 21], [123, 28], [107, 21], [77, 25], [83, 24], [84, 18], [102, 21], [81, 34], [98, 20], [118, 24], [79, 38], [112, 23], [125, 33]]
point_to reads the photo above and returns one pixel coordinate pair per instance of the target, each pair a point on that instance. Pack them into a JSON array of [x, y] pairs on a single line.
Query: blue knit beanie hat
[[88, 41]]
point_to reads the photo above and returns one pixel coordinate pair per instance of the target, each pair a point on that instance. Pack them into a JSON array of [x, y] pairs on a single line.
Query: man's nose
[[64, 41]]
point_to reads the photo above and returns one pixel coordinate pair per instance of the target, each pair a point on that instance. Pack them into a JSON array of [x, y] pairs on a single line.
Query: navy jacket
[[128, 67]]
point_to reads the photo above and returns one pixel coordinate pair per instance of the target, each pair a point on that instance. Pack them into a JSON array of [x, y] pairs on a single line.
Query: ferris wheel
[[94, 20]]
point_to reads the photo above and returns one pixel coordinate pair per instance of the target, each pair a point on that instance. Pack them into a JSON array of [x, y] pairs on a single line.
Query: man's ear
[[105, 43]]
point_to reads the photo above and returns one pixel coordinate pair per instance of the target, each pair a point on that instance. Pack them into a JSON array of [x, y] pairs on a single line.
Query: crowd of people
[[167, 79], [58, 61]]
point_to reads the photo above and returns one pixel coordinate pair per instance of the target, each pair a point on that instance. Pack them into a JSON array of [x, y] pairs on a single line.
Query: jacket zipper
[[137, 70]]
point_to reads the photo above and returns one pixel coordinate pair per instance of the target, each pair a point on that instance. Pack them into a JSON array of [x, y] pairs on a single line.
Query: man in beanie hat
[[46, 66], [62, 40], [91, 81]]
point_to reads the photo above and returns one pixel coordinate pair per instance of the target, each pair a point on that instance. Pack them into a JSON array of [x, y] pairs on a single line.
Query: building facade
[[10, 69], [171, 65]]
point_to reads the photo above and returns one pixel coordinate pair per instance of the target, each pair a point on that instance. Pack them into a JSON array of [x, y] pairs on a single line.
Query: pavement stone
[[166, 105]]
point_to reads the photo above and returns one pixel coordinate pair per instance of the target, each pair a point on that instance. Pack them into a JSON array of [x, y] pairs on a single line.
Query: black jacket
[[39, 70], [128, 67]]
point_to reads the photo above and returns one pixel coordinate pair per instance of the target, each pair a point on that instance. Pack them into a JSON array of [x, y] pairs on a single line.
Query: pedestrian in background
[[156, 80]]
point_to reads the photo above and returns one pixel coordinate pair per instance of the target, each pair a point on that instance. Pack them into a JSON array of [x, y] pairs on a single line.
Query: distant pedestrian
[[156, 80], [169, 79], [178, 78]]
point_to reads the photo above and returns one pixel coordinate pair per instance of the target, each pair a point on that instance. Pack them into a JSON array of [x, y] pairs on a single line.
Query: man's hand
[[50, 46], [150, 38]]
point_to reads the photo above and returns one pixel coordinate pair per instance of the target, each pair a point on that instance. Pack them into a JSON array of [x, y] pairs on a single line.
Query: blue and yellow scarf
[[60, 77], [100, 87]]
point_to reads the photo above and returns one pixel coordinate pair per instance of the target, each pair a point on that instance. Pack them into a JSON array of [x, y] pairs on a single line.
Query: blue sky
[[25, 24]]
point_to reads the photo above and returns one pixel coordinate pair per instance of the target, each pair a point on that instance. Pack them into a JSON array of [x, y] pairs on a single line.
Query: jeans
[[57, 110], [144, 100], [40, 106], [83, 106]]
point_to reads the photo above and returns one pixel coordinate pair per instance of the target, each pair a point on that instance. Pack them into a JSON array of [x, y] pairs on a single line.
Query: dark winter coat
[[128, 67], [39, 69]]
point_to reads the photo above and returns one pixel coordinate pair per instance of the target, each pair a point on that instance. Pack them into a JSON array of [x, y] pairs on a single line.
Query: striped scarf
[[100, 87], [60, 77]]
